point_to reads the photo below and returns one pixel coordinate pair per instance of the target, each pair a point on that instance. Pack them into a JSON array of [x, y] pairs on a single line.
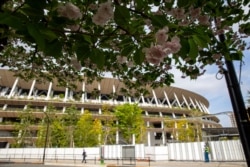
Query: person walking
[[84, 155]]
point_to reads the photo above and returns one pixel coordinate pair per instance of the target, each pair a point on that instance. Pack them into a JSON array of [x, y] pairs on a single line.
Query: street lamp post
[[240, 111], [46, 136]]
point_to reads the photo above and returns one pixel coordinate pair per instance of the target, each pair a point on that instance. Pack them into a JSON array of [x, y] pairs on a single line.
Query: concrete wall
[[219, 151], [230, 150]]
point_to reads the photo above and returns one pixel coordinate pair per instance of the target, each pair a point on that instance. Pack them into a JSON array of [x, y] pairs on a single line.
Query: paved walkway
[[119, 164]]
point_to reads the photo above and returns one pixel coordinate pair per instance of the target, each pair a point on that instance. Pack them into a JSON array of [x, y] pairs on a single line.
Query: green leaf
[[48, 34], [32, 12], [139, 4], [127, 50], [184, 48], [36, 4], [245, 28], [98, 57], [10, 20], [38, 37], [182, 3], [138, 56], [199, 40], [193, 52], [160, 21], [185, 3], [235, 54], [122, 15], [82, 51], [54, 49], [87, 38]]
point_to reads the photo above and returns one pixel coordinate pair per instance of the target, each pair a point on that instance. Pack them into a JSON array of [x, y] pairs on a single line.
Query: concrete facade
[[162, 102]]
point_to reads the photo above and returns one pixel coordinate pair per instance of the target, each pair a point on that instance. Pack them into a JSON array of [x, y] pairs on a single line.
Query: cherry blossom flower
[[93, 6], [184, 22], [130, 64], [104, 13], [121, 59], [172, 47], [178, 13], [76, 64], [204, 20], [98, 19], [161, 35], [155, 54], [69, 11], [195, 13]]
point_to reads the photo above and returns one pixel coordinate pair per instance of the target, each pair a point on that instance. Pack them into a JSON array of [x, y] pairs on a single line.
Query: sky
[[215, 90]]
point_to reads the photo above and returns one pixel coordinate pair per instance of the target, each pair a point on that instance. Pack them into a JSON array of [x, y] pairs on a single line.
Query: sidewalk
[[113, 163], [109, 163]]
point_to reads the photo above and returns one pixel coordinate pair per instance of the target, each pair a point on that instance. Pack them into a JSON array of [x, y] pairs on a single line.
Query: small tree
[[185, 131], [109, 126], [97, 129], [70, 120], [85, 135], [48, 118], [130, 122], [182, 129], [58, 135], [23, 130], [196, 115]]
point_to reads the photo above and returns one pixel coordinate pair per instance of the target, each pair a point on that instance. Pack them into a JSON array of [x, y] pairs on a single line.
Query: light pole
[[240, 111], [46, 136]]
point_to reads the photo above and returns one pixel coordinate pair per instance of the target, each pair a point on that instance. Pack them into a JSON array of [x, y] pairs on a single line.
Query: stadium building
[[162, 102]]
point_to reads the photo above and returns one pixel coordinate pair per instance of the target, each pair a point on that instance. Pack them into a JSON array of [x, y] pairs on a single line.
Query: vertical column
[[149, 139], [176, 132], [11, 92], [49, 91], [163, 133], [31, 89], [83, 96], [66, 94], [205, 109], [185, 100], [192, 102], [30, 92], [129, 100], [99, 89], [117, 134], [83, 91], [166, 97], [133, 139], [178, 102], [13, 88], [114, 92], [174, 128], [45, 108], [148, 132], [156, 101], [198, 105], [142, 98]]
